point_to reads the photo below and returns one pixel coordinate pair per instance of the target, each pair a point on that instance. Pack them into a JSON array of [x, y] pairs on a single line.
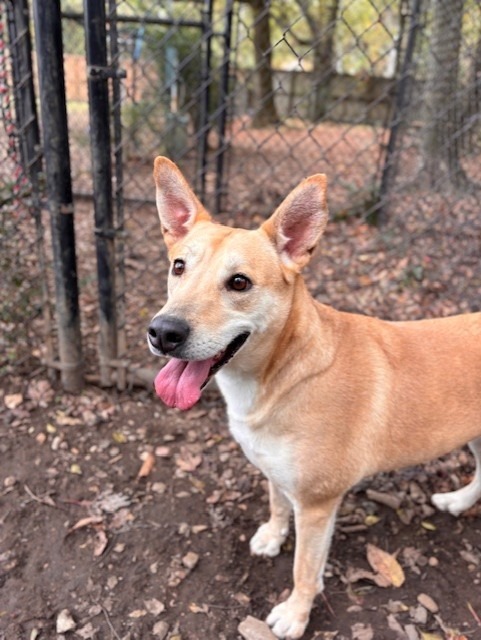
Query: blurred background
[[248, 97]]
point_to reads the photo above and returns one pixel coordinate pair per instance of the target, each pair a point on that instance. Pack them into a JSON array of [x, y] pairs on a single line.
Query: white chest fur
[[262, 446]]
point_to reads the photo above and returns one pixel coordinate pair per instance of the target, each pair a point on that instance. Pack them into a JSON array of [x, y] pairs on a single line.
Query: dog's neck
[[258, 384]]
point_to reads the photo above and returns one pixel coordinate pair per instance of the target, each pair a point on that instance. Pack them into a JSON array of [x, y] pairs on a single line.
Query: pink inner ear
[[302, 223], [178, 213]]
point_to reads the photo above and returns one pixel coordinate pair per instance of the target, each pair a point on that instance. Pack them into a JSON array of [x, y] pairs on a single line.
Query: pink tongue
[[178, 383]]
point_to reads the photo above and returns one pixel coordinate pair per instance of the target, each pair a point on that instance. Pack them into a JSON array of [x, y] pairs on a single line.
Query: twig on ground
[[107, 618], [47, 500], [474, 614]]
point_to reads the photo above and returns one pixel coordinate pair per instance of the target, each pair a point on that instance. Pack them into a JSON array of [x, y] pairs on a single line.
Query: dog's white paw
[[287, 621], [455, 502], [267, 541]]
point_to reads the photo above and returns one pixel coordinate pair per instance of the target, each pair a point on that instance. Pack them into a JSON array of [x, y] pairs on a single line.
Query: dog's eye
[[178, 267], [239, 282]]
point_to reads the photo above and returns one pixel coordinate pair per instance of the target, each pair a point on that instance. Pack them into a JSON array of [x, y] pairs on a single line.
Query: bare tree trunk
[[266, 112], [323, 28], [441, 118], [471, 117]]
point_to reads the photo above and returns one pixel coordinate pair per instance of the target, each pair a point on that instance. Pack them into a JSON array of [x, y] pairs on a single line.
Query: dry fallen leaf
[[147, 466], [119, 438], [386, 565], [195, 608], [65, 420], [188, 461], [75, 469], [86, 522], [13, 400], [354, 575], [40, 392], [101, 542]]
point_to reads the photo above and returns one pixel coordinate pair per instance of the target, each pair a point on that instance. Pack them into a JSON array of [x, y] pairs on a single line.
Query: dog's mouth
[[180, 383], [226, 356]]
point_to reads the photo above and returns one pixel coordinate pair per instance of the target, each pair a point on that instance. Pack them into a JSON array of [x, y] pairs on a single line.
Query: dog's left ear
[[298, 223], [178, 206]]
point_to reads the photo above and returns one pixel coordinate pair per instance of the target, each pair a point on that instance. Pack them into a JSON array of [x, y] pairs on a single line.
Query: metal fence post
[[118, 197], [49, 47], [204, 101], [100, 143], [223, 105]]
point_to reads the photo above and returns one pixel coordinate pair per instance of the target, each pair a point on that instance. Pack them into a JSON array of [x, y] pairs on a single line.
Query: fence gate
[[150, 88]]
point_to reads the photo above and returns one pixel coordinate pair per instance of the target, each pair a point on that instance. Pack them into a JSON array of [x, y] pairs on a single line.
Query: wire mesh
[[248, 97], [26, 326]]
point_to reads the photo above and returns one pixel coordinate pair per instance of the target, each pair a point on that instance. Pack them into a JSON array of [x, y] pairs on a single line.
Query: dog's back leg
[[457, 501]]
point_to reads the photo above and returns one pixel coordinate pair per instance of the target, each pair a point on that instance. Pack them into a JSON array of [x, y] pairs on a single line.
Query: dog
[[317, 398]]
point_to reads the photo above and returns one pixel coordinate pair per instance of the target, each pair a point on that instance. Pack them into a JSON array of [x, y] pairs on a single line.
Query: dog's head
[[230, 290]]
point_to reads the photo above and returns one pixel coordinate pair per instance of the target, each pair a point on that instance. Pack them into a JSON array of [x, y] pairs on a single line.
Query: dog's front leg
[[270, 536], [314, 527]]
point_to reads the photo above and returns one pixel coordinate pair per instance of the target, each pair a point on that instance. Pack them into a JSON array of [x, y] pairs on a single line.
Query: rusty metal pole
[[48, 30], [100, 144]]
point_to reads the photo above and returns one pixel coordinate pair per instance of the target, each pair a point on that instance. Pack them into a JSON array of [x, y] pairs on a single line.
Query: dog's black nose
[[166, 333]]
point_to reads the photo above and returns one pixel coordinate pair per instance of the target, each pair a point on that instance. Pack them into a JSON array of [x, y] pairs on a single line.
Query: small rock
[[361, 631], [154, 606], [395, 606], [419, 614], [87, 632], [112, 582], [254, 629], [9, 481], [159, 487], [394, 624], [411, 632], [199, 528], [65, 622], [160, 629], [428, 603], [190, 560]]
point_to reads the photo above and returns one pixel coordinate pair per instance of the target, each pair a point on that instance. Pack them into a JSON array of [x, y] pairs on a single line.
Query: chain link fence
[[26, 325], [248, 97]]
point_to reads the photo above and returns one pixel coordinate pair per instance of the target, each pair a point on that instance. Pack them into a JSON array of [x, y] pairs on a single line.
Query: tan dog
[[318, 399]]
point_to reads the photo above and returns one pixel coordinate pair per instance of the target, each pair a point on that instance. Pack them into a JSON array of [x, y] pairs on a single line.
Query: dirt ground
[[87, 543], [123, 519]]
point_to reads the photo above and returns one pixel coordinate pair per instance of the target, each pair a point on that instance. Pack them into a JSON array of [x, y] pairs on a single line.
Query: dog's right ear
[[178, 206]]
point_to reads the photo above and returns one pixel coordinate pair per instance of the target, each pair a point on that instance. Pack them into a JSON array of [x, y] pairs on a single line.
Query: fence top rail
[[168, 22]]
